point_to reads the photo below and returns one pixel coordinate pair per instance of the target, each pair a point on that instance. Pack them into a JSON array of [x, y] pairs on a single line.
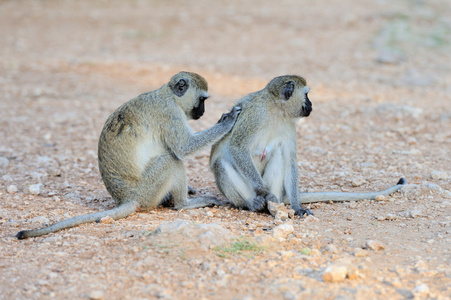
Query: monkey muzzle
[[198, 111], [306, 107]]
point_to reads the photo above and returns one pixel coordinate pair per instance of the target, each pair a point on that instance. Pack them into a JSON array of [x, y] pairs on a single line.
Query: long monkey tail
[[119, 212], [336, 196]]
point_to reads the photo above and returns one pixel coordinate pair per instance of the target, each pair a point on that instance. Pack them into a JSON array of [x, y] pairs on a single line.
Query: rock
[[4, 162], [335, 273], [331, 249], [421, 291], [285, 255], [7, 177], [339, 271], [359, 252], [411, 213], [380, 198], [279, 211], [12, 189], [357, 182], [205, 236], [40, 219], [311, 218], [274, 207], [281, 215], [35, 189], [96, 295], [374, 245], [107, 220], [439, 175], [283, 230]]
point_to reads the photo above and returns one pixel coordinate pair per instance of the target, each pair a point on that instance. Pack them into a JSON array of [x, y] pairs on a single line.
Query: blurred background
[[379, 73]]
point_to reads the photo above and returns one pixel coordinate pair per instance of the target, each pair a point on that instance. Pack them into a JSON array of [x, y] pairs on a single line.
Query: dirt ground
[[380, 79]]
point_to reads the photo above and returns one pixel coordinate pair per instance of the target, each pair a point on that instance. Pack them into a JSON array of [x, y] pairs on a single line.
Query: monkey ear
[[288, 90], [181, 87]]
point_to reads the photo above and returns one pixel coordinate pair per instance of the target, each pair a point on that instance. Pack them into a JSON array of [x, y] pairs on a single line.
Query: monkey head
[[290, 94], [190, 90]]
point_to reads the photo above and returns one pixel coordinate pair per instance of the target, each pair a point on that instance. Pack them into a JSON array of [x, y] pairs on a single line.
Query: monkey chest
[[272, 148]]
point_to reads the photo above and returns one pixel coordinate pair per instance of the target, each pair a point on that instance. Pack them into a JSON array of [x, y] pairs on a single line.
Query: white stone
[[4, 162], [12, 189], [421, 290], [374, 245], [358, 182], [274, 207], [35, 189], [283, 230], [335, 273], [439, 175]]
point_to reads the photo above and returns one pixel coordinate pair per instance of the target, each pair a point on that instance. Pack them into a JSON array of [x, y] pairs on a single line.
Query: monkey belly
[[273, 174]]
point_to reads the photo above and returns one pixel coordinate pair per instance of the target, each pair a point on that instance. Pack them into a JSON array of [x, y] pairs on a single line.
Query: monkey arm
[[291, 188], [181, 142], [291, 184]]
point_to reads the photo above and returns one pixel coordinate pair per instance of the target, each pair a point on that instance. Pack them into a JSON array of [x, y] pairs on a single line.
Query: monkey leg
[[233, 185], [179, 191], [155, 186], [274, 176]]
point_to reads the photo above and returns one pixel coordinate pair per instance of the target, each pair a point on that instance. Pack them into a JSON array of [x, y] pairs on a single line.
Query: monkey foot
[[301, 212], [258, 204]]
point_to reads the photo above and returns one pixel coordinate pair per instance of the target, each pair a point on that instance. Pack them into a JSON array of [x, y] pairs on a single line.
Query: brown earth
[[380, 79]]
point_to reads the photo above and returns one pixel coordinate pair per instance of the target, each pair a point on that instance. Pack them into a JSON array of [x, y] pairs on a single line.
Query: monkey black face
[[198, 111], [306, 107]]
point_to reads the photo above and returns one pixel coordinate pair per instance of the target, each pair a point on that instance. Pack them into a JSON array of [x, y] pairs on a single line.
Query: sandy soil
[[379, 73]]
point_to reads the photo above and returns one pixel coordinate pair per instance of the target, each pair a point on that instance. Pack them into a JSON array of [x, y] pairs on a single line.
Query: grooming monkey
[[256, 162], [141, 148]]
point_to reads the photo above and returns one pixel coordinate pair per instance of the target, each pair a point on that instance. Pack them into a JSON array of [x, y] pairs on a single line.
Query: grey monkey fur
[[141, 148], [256, 162]]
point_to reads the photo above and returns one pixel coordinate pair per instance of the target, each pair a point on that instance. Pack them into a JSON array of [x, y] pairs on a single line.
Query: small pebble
[[12, 189], [357, 182], [35, 189], [281, 215], [335, 273], [358, 252], [331, 249], [4, 162], [374, 245], [380, 198], [96, 295], [439, 175], [274, 207], [283, 230], [107, 220], [421, 290]]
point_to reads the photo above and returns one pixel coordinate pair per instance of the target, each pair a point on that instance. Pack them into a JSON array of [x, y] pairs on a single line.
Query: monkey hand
[[301, 212], [231, 117]]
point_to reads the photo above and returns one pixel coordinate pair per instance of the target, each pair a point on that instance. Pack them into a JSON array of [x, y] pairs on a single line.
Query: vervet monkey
[[141, 148], [256, 162]]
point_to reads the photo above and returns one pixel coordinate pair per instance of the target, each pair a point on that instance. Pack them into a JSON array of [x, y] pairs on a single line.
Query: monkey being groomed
[[256, 162], [141, 148]]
